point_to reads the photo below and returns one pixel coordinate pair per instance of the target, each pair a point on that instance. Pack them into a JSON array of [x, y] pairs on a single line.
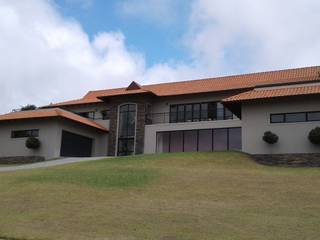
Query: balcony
[[166, 117]]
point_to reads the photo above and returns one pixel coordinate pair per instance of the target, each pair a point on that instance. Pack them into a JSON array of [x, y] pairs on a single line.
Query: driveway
[[50, 163]]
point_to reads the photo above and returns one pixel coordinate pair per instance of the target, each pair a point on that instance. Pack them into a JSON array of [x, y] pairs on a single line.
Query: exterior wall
[[50, 131], [48, 135], [97, 108], [151, 130], [293, 137]]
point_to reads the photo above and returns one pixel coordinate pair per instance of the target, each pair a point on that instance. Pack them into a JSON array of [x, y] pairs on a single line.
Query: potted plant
[[314, 136], [33, 143], [270, 137]]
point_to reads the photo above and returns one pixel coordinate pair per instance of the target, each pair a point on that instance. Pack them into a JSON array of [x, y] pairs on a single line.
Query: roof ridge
[[234, 75]]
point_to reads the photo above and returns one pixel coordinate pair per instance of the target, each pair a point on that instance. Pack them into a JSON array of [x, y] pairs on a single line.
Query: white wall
[[293, 137], [151, 130]]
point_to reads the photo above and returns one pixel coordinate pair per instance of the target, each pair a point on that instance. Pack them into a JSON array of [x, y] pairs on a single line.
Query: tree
[[28, 107]]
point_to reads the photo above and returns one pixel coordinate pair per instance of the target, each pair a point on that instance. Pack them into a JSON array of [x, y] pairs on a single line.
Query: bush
[[32, 143], [314, 135], [270, 137]]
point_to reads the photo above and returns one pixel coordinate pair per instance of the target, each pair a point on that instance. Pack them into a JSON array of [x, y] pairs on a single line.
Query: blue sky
[[56, 50], [158, 41]]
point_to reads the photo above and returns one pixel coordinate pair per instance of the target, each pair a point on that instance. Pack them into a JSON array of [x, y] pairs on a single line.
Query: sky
[[56, 50]]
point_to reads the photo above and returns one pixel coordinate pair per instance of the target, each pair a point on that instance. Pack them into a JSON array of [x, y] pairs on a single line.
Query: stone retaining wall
[[290, 160], [21, 160]]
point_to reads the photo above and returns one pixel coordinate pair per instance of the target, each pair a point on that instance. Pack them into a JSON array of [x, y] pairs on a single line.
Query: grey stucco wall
[[151, 130], [48, 135], [292, 136], [96, 108], [50, 131]]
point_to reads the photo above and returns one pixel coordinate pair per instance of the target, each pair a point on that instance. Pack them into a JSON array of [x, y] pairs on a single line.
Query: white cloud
[[247, 35], [46, 57]]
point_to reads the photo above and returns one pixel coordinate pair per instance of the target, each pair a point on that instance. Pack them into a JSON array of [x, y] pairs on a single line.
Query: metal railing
[[164, 117]]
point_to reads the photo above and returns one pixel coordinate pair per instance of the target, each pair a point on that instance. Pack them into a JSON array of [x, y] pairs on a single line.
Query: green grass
[[167, 197]]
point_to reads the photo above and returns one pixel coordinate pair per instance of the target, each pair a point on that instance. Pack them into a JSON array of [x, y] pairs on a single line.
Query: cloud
[[249, 35], [46, 57]]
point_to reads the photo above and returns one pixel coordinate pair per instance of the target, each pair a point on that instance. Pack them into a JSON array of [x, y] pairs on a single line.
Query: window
[[190, 141], [205, 140], [294, 117], [220, 139], [188, 114], [89, 115], [176, 141], [173, 113], [277, 118], [313, 116], [105, 114], [199, 112], [199, 140], [126, 131], [25, 133], [235, 139]]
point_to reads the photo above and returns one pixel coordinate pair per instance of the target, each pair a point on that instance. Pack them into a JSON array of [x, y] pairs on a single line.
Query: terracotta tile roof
[[273, 93], [50, 113], [244, 81]]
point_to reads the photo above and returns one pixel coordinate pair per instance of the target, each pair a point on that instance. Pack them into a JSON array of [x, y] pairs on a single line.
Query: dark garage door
[[74, 145]]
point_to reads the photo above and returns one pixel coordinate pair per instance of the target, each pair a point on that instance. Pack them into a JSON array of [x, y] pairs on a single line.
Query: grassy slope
[[169, 196]]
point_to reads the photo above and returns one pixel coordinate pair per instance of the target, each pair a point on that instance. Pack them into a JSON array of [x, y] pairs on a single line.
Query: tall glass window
[[127, 127]]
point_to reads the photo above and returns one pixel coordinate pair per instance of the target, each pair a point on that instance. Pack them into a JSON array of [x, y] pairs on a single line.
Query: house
[[222, 113]]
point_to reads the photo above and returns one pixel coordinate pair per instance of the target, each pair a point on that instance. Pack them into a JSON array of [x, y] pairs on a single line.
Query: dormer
[[133, 86]]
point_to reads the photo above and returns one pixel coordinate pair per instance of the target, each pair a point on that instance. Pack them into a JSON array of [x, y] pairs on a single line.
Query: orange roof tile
[[50, 113], [244, 81], [273, 93]]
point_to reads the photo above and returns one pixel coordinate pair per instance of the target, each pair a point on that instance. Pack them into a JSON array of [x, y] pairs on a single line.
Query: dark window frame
[[285, 117], [198, 130], [87, 114], [199, 116], [25, 133], [127, 137], [105, 114]]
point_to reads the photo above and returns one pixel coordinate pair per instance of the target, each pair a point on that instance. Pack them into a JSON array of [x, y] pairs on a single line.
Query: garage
[[75, 145]]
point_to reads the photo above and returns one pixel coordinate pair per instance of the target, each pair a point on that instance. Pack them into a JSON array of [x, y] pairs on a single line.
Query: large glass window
[[126, 132], [235, 139], [190, 141], [199, 140], [163, 141], [199, 112], [220, 139], [205, 140], [176, 141]]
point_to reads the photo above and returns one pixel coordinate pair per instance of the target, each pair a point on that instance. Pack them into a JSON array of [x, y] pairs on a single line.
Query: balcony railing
[[164, 117]]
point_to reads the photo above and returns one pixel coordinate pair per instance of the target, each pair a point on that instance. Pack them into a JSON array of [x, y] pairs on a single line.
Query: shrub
[[28, 107], [314, 135], [270, 137], [33, 143]]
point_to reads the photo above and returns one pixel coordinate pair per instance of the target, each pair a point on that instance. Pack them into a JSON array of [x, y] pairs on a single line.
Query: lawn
[[223, 195]]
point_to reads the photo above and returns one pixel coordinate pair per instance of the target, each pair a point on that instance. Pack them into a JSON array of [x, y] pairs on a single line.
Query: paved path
[[48, 164]]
